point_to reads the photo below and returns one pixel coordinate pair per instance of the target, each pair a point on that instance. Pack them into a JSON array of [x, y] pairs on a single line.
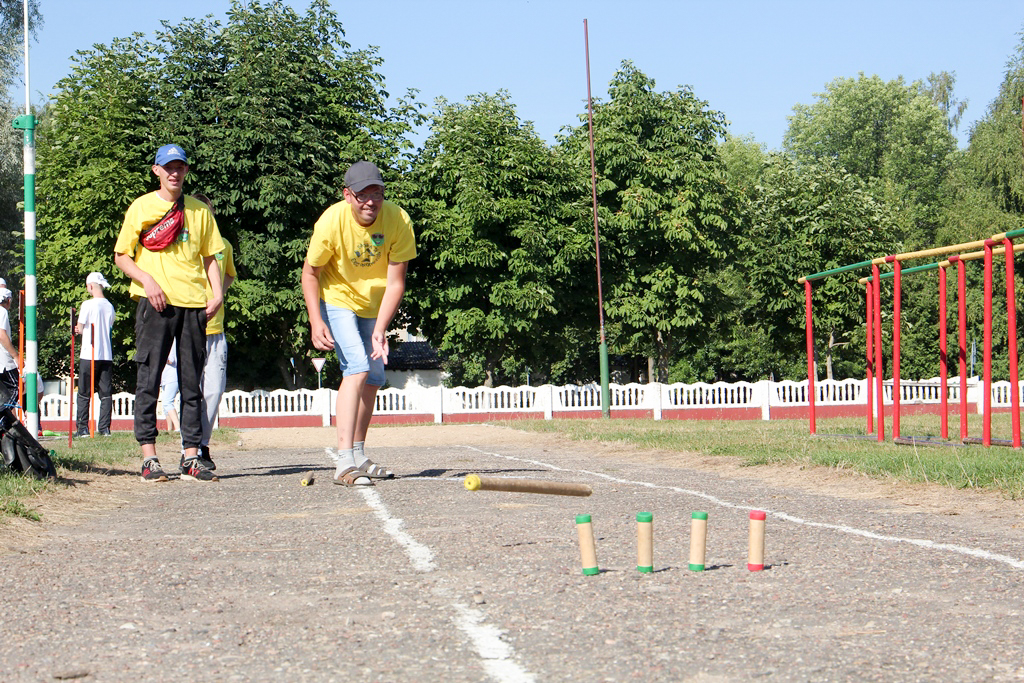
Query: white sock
[[358, 456], [344, 460]]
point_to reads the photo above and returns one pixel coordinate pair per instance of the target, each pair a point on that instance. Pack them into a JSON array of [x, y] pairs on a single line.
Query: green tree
[[94, 145], [12, 141], [272, 107], [892, 135], [666, 214], [996, 151], [12, 34], [802, 220], [504, 242], [744, 160]]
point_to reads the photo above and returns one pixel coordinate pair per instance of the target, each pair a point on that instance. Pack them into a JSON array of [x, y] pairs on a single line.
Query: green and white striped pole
[[27, 122]]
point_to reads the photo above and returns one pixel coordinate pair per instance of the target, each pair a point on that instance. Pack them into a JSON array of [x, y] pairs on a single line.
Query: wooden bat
[[556, 488]]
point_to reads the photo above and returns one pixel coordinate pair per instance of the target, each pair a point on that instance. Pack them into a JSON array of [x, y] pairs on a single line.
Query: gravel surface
[[258, 578]]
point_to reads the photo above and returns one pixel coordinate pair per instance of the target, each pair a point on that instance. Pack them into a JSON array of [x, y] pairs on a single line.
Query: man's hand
[[322, 339], [212, 305], [156, 296], [380, 346]]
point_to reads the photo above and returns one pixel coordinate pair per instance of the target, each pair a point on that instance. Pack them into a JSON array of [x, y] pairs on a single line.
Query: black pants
[[104, 370], [9, 387], [155, 331]]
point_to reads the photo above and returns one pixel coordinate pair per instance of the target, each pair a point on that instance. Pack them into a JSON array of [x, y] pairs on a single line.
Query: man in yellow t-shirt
[[353, 280], [215, 371], [169, 278]]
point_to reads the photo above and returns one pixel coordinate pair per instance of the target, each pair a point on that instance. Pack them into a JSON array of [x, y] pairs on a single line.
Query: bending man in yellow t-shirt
[[353, 280], [169, 283]]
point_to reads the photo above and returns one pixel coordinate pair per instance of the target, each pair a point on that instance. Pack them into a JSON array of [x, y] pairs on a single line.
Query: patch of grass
[[15, 508], [788, 442], [102, 452]]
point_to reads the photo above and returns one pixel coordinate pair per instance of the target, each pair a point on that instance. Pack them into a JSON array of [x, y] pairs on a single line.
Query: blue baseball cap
[[169, 153]]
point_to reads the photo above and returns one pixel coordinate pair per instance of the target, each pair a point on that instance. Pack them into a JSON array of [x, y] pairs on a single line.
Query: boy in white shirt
[[8, 353], [95, 320]]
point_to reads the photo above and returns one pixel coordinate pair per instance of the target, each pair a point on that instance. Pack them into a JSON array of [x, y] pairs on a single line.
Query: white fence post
[[763, 395], [436, 399], [326, 406], [546, 398]]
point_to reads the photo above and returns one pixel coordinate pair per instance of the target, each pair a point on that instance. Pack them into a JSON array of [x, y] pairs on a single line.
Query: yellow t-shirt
[[226, 261], [355, 259], [178, 268]]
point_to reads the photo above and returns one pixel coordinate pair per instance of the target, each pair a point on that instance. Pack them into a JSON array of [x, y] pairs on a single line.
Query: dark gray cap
[[362, 174]]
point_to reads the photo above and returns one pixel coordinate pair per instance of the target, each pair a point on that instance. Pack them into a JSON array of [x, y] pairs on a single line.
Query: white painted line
[[421, 556], [497, 655], [921, 542]]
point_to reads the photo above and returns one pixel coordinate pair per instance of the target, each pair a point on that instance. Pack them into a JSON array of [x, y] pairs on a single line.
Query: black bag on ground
[[22, 453]]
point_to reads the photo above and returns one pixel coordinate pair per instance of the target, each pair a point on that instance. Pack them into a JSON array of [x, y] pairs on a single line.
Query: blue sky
[[751, 60]]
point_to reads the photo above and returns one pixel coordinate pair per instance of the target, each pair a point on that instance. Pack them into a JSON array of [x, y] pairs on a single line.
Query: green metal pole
[[606, 391], [27, 122]]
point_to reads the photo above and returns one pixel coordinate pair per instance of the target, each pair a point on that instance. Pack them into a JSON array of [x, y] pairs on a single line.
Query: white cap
[[97, 279], [5, 294], [3, 282]]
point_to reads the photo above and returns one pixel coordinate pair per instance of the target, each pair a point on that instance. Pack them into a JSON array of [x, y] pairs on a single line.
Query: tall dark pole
[[606, 393]]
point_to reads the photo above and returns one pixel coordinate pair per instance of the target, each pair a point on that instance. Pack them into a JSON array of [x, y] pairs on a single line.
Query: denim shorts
[[353, 343]]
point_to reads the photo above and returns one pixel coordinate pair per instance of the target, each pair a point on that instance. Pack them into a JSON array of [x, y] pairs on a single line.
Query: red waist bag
[[157, 236]]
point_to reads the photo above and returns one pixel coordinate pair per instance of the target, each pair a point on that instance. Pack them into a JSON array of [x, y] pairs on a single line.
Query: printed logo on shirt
[[378, 238], [220, 255], [366, 254]]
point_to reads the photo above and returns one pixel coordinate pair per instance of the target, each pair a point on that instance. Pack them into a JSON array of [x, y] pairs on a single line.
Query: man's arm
[[393, 293], [153, 292], [319, 332], [5, 341], [213, 274]]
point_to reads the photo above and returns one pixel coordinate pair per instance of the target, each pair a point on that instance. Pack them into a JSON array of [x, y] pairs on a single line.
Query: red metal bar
[[869, 342], [810, 356], [1011, 327], [943, 360], [879, 368], [961, 312], [896, 319], [986, 433]]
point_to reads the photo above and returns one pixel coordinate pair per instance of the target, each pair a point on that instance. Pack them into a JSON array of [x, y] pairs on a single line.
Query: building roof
[[413, 355]]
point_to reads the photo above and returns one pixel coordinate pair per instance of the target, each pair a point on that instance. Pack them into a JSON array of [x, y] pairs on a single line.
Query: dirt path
[[257, 578], [98, 491]]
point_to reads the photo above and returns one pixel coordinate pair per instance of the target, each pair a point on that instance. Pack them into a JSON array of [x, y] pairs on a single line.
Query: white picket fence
[[727, 400]]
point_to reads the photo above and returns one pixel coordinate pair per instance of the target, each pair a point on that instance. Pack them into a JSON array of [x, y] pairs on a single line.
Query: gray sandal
[[375, 471], [351, 477]]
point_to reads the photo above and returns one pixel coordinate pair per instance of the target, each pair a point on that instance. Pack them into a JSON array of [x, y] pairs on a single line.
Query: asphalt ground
[[258, 578]]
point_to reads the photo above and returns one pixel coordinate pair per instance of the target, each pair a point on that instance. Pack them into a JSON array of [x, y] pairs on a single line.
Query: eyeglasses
[[368, 196]]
